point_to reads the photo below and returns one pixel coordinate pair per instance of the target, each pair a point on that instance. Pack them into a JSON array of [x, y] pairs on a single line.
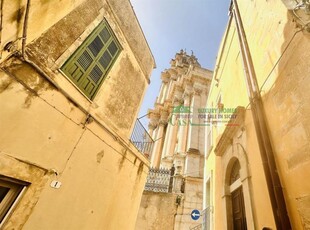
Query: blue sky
[[171, 25]]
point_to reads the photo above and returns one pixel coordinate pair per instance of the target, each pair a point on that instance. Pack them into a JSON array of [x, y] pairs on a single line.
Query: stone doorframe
[[233, 153]]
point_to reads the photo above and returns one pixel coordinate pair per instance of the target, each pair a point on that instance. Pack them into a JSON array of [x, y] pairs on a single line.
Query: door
[[239, 220]]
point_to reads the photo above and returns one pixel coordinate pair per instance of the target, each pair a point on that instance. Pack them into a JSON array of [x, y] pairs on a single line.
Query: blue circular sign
[[195, 214]]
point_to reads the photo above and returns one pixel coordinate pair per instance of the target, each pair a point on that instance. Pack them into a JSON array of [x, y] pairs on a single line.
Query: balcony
[[141, 139]]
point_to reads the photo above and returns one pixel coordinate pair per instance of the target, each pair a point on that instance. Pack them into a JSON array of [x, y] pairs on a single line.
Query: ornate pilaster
[[193, 130], [153, 116], [171, 135], [182, 135], [156, 154], [163, 88]]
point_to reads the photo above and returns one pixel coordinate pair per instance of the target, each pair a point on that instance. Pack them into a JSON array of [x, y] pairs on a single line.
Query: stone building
[[179, 140], [257, 157], [72, 78]]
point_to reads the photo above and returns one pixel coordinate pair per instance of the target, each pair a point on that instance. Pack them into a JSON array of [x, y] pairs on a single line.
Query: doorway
[[237, 200], [239, 219]]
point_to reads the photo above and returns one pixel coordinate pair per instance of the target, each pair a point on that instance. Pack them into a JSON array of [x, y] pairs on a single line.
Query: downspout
[[25, 27], [222, 50], [1, 23], [267, 154]]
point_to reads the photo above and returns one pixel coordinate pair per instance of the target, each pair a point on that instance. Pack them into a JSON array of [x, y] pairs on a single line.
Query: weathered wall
[[282, 76], [45, 128], [157, 211], [192, 199], [51, 42]]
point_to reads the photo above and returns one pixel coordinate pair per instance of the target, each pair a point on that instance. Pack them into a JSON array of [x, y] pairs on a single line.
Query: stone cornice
[[230, 131]]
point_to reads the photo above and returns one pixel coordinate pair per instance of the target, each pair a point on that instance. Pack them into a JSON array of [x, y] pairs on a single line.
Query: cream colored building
[[263, 70], [178, 136], [73, 75]]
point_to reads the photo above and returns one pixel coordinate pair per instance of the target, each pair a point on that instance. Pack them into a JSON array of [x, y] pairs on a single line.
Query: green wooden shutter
[[90, 63]]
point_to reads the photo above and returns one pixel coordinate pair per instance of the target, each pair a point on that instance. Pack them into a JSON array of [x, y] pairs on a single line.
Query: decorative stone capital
[[177, 100], [165, 77], [153, 114], [198, 89], [163, 117], [163, 122], [174, 77], [152, 125], [165, 80]]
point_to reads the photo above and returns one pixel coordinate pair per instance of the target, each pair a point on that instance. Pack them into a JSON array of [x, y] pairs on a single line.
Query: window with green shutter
[[90, 63]]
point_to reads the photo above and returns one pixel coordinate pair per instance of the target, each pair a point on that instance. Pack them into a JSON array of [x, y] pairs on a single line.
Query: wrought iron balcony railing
[[158, 180], [141, 139]]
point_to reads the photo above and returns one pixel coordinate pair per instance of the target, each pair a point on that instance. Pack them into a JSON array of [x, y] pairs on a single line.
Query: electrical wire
[[72, 151]]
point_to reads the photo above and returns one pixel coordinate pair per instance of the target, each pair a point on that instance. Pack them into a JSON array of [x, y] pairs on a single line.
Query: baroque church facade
[[178, 132]]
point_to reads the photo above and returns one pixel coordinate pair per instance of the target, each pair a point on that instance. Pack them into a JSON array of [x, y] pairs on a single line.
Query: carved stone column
[[164, 89], [171, 135], [173, 130], [192, 160], [157, 151], [169, 89], [193, 129], [182, 135]]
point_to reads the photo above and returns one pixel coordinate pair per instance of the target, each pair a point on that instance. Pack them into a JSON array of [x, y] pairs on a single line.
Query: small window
[[9, 191], [91, 62]]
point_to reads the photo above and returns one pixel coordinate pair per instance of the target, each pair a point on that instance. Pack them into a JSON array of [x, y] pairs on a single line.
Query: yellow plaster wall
[[98, 175], [270, 29], [44, 128]]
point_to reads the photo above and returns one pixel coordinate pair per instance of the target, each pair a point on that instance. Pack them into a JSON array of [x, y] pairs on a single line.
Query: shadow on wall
[[287, 107]]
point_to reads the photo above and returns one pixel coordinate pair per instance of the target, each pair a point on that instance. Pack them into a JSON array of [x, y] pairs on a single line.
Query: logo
[[185, 115], [181, 109]]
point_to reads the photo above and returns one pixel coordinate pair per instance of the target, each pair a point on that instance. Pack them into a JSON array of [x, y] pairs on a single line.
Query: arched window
[[235, 173]]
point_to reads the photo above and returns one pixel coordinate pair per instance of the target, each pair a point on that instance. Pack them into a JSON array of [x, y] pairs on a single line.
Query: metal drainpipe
[[1, 23], [267, 154], [222, 50], [25, 27]]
